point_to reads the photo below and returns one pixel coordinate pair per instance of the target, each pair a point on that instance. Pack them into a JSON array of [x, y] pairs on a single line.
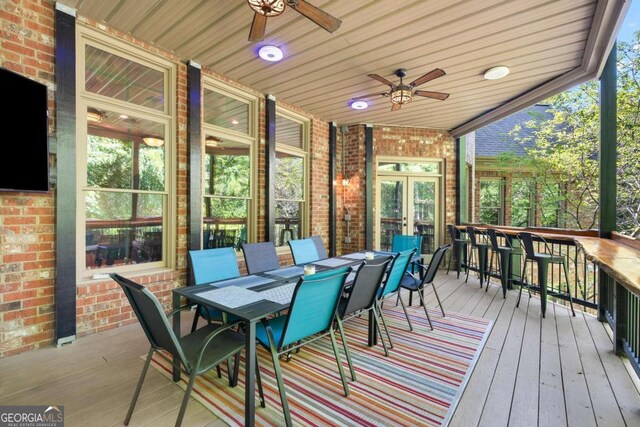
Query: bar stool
[[459, 248], [542, 260], [504, 255], [480, 248]]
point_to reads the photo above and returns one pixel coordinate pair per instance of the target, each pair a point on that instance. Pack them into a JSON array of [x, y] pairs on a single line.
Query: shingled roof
[[495, 139]]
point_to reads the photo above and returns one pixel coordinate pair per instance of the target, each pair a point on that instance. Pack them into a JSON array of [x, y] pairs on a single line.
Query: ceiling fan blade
[[395, 107], [371, 95], [318, 16], [433, 74], [258, 27], [381, 79], [435, 95]]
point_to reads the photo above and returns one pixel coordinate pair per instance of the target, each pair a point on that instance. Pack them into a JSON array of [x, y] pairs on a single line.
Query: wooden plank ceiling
[[541, 41]]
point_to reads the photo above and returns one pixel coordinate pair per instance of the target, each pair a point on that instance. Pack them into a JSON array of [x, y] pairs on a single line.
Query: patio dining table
[[253, 298]]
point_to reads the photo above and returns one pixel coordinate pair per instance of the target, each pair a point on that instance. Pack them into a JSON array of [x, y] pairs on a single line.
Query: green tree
[[563, 151]]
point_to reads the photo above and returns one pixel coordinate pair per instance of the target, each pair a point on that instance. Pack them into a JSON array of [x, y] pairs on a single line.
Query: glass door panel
[[423, 211], [392, 218]]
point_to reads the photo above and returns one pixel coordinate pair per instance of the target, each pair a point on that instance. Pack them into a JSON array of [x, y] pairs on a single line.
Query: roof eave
[[607, 20]]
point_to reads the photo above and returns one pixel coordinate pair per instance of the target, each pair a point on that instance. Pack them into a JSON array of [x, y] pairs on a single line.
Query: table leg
[[543, 268], [250, 375], [176, 331]]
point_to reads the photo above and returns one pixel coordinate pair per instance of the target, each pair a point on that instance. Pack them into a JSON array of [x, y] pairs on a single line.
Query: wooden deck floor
[[549, 372]]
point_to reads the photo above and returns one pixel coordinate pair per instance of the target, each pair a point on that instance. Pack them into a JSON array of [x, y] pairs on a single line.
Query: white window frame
[[84, 99]]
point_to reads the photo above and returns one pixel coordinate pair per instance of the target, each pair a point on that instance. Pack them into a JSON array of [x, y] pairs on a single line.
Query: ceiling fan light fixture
[[153, 141], [94, 116], [270, 53], [267, 7], [495, 73], [401, 96], [359, 105]]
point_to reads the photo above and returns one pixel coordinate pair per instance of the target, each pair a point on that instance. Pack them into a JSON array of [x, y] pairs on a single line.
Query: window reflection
[[289, 195], [123, 209], [227, 193]]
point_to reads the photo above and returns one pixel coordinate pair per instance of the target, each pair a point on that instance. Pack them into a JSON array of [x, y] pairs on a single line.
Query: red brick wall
[[27, 221], [27, 239], [388, 141]]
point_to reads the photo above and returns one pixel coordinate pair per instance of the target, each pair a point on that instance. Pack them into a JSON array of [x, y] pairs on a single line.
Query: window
[[521, 203], [292, 140], [125, 119], [491, 196], [230, 122]]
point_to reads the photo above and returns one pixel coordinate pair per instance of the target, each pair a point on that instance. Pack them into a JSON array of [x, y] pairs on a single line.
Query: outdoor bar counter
[[618, 256]]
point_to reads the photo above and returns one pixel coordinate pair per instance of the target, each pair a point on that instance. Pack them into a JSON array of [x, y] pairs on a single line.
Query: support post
[[66, 200], [194, 136], [368, 143], [608, 145], [333, 136], [270, 169]]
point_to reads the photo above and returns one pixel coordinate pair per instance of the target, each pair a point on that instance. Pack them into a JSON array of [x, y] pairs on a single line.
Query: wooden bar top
[[618, 260], [619, 256]]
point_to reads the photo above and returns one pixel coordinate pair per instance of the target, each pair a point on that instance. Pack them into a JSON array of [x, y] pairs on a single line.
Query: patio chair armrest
[[212, 335], [179, 309]]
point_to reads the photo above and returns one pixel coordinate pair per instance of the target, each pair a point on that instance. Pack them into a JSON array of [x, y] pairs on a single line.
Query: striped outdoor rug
[[419, 384]]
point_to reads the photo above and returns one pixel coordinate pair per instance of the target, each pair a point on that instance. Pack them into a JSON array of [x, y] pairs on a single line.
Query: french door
[[408, 205]]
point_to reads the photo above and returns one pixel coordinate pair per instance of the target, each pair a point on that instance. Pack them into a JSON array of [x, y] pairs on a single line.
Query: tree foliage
[[563, 151]]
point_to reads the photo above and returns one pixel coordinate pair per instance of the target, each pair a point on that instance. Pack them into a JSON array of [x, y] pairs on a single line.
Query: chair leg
[[566, 276], [384, 323], [346, 349], [435, 292], [185, 399], [406, 313], [219, 371], [470, 263], [139, 387], [490, 271], [522, 282], [336, 352], [377, 320], [196, 316], [233, 380], [425, 310], [278, 372], [259, 382]]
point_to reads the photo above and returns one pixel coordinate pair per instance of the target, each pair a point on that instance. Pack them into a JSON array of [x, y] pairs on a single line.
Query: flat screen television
[[24, 147]]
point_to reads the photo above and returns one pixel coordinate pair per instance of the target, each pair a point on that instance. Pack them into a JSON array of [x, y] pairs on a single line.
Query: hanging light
[[402, 95], [153, 141], [267, 7]]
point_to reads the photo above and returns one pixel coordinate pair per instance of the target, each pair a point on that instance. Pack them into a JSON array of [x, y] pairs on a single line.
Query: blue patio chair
[[391, 286], [403, 242], [303, 250], [211, 265], [311, 316]]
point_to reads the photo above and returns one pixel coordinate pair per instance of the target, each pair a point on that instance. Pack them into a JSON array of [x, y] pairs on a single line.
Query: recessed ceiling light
[[359, 105], [495, 73], [234, 122], [124, 116], [270, 53]]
